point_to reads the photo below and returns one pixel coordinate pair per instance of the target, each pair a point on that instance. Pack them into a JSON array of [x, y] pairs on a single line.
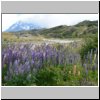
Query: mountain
[[88, 23], [63, 31], [79, 30], [21, 26]]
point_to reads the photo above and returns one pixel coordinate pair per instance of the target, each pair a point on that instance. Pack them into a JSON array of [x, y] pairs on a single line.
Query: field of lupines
[[48, 65]]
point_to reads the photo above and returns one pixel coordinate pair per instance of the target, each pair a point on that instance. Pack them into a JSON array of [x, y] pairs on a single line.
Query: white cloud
[[48, 20]]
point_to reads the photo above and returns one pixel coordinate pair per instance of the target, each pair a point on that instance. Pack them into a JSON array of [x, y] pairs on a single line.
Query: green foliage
[[49, 76], [21, 80], [71, 79], [87, 23], [91, 79], [59, 76], [4, 73], [90, 42], [54, 76]]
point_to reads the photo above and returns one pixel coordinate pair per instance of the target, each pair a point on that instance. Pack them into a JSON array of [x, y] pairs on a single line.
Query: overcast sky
[[47, 20]]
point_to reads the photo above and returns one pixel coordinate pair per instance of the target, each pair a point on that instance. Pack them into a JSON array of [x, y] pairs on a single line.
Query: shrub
[[91, 42], [49, 76], [59, 76]]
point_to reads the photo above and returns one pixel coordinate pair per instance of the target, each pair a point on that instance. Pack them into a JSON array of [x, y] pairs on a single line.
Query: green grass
[[10, 37], [56, 76]]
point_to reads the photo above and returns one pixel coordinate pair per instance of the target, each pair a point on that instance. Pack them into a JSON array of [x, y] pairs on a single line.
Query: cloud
[[47, 20]]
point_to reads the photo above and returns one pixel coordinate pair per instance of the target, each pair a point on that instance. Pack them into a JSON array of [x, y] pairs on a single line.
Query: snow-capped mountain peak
[[19, 26]]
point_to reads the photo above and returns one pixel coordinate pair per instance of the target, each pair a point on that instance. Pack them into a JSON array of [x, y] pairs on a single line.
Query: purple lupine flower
[[15, 63], [27, 66], [21, 69], [15, 66], [10, 69], [24, 56]]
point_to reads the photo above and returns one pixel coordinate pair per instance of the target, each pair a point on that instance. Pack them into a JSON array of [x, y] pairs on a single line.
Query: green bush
[[90, 42], [49, 76], [59, 76]]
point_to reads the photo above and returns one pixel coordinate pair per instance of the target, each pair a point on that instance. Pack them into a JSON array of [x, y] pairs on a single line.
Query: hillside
[[63, 31]]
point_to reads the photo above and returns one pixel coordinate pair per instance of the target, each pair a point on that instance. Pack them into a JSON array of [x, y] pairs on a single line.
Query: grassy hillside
[[79, 30]]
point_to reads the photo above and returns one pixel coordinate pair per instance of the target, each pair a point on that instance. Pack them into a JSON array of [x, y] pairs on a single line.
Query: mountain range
[[63, 31]]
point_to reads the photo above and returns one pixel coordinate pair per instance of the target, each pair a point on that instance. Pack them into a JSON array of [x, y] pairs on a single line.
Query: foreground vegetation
[[50, 65]]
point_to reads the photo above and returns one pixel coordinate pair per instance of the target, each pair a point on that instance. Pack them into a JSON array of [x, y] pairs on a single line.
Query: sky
[[46, 20]]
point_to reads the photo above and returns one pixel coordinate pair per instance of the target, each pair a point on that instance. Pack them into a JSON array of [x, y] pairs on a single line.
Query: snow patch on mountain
[[20, 26]]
